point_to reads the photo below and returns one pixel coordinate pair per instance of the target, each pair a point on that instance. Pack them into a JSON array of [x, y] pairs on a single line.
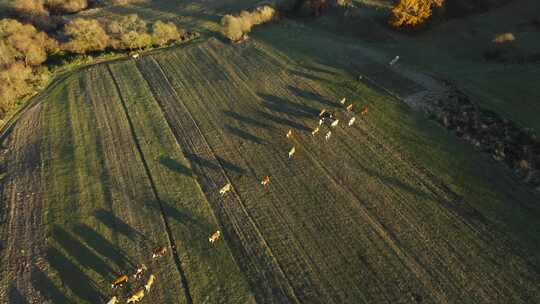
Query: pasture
[[115, 159]]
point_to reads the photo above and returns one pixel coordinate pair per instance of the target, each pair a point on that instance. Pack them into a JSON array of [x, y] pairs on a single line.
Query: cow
[[350, 107], [323, 111], [225, 189], [119, 281], [289, 134], [343, 100], [113, 300], [320, 122], [315, 131], [265, 180], [327, 137], [149, 282], [292, 151], [135, 56], [214, 237], [364, 110], [159, 252], [394, 61], [139, 272], [136, 297], [334, 123], [351, 121]]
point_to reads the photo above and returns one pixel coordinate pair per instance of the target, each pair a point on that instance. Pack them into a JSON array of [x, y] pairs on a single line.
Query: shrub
[[66, 6], [235, 27], [85, 35], [163, 33], [411, 13]]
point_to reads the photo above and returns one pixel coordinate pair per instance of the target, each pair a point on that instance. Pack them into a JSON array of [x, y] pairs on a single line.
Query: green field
[[115, 159]]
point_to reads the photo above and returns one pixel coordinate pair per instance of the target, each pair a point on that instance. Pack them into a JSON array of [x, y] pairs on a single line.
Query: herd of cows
[[327, 120]]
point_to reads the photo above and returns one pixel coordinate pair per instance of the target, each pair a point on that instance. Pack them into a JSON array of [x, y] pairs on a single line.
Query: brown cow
[[350, 107], [139, 272], [119, 281], [265, 180], [214, 237], [364, 110], [225, 189], [159, 252], [289, 134]]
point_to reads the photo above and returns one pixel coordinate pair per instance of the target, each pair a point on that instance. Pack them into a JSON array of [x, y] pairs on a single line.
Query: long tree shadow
[[116, 224], [181, 215], [282, 105], [81, 252], [247, 120], [283, 121], [311, 96], [244, 135], [15, 295], [174, 165], [103, 246], [308, 76], [73, 278], [45, 286]]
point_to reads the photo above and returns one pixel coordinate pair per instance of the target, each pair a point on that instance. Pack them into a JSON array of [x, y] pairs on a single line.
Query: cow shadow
[[203, 162], [73, 278], [46, 287], [230, 166], [283, 121], [312, 96], [103, 246], [79, 251], [15, 296], [282, 105], [246, 120], [244, 135], [175, 166], [116, 224]]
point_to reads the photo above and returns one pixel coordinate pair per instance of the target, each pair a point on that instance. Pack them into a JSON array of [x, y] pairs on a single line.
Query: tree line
[[29, 37]]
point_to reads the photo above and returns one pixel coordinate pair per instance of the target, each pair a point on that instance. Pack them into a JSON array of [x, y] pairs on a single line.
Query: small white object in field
[[351, 121], [136, 297], [150, 282], [292, 151], [214, 237], [327, 137], [135, 56], [394, 60], [113, 300], [289, 134], [225, 189], [315, 131], [343, 100], [334, 123]]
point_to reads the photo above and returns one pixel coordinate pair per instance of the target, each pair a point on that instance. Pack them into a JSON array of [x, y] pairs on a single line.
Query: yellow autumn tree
[[412, 12]]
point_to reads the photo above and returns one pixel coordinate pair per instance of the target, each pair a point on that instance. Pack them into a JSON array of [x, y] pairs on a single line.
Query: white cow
[[334, 123], [343, 100], [351, 121], [225, 189], [150, 282], [136, 297], [113, 300], [292, 151], [327, 137], [315, 131], [394, 61]]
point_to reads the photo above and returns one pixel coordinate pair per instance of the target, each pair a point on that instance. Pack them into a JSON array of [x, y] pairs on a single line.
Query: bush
[[66, 6], [411, 13], [164, 33], [235, 27], [86, 35]]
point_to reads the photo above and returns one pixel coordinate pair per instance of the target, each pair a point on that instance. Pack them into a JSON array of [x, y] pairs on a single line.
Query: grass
[[393, 209]]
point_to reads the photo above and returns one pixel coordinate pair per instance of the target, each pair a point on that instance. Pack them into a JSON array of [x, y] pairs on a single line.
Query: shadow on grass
[[202, 161], [45, 286], [103, 246], [174, 165], [312, 96], [15, 296], [247, 120], [81, 252], [73, 278], [116, 224], [308, 76], [283, 121], [282, 105], [244, 135], [230, 166]]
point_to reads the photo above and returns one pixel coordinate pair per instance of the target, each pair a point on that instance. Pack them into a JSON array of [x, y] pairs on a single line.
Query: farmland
[[115, 159]]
